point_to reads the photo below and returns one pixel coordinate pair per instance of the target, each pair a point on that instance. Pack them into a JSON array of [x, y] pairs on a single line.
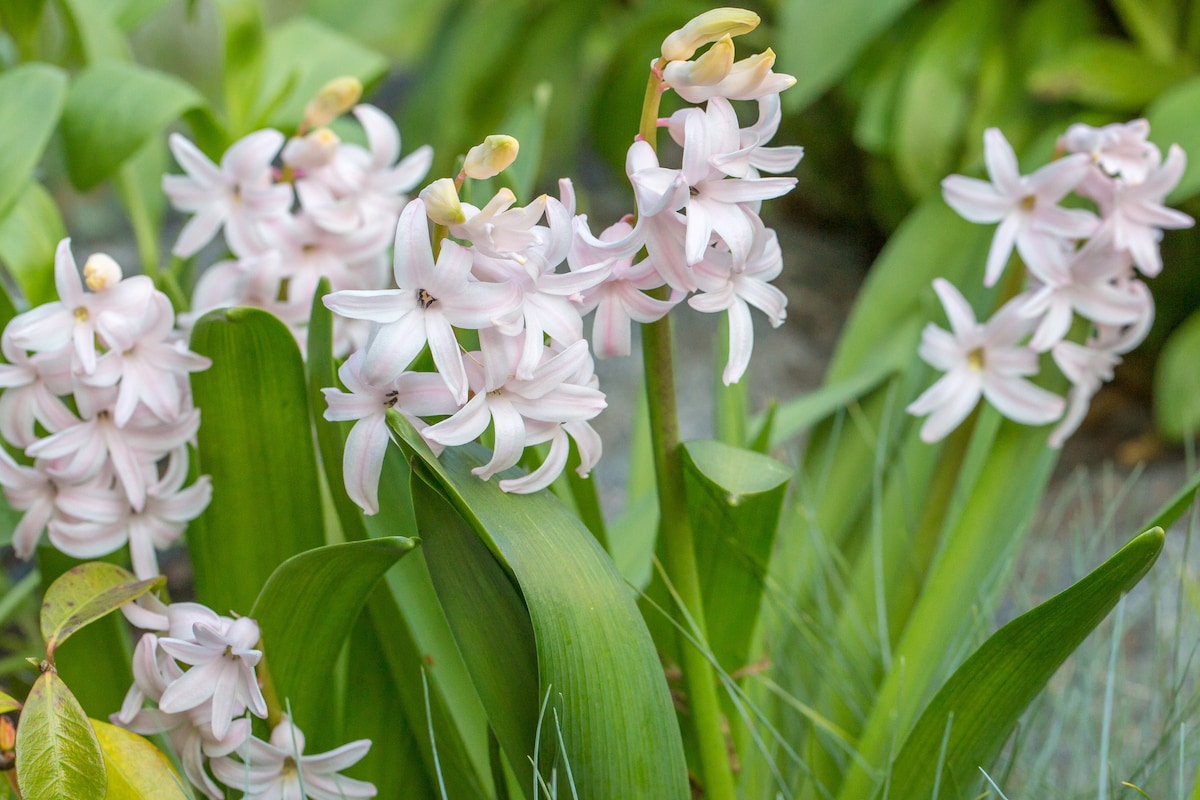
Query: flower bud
[[442, 203], [335, 98], [707, 27], [491, 158], [712, 67], [100, 272], [311, 151]]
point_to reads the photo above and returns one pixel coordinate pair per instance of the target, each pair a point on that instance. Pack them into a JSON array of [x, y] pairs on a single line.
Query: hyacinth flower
[[279, 769], [980, 360], [1025, 206], [1080, 265]]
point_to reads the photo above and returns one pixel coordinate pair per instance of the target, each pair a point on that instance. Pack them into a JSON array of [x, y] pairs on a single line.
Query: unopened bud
[[442, 203], [707, 27], [492, 157], [100, 272], [335, 98], [713, 66], [314, 150], [8, 735]]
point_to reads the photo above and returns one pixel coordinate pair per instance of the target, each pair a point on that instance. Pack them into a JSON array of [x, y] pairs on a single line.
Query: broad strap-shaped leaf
[[735, 498], [306, 610], [58, 755], [255, 441], [31, 99], [136, 769], [557, 609], [244, 33], [112, 109], [971, 717], [84, 594]]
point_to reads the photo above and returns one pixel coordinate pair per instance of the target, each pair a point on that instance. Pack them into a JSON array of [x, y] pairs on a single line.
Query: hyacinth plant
[[384, 365]]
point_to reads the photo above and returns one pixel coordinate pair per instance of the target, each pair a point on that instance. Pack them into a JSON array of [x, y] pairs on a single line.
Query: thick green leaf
[[255, 441], [1177, 383], [137, 770], [1106, 73], [404, 658], [734, 498], [967, 723], [303, 55], [58, 755], [820, 41], [31, 98], [1172, 121], [29, 235], [113, 108], [84, 594], [547, 579], [306, 610], [374, 709]]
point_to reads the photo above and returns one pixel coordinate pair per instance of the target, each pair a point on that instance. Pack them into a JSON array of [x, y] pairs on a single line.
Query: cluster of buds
[[329, 211], [1078, 262], [525, 286], [108, 467], [202, 709]]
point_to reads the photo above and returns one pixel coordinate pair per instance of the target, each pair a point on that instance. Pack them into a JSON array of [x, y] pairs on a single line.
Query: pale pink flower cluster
[[96, 395], [524, 277], [1079, 263], [197, 670], [329, 210]]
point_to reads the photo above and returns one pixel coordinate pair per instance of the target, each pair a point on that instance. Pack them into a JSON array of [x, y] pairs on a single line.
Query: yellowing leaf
[[57, 752], [86, 593], [137, 770]]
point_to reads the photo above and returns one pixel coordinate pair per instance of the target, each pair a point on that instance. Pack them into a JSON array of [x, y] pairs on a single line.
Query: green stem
[[587, 499], [675, 532]]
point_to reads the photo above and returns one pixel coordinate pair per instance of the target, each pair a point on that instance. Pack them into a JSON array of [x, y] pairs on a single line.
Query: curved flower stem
[[675, 531]]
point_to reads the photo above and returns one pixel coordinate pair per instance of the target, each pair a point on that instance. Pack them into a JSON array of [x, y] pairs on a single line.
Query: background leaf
[[29, 235], [114, 108], [255, 433], [84, 594], [984, 698], [136, 769], [58, 754], [31, 99], [823, 40]]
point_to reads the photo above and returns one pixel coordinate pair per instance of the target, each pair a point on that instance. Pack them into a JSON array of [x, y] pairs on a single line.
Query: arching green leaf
[[305, 612], [556, 608], [969, 720]]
